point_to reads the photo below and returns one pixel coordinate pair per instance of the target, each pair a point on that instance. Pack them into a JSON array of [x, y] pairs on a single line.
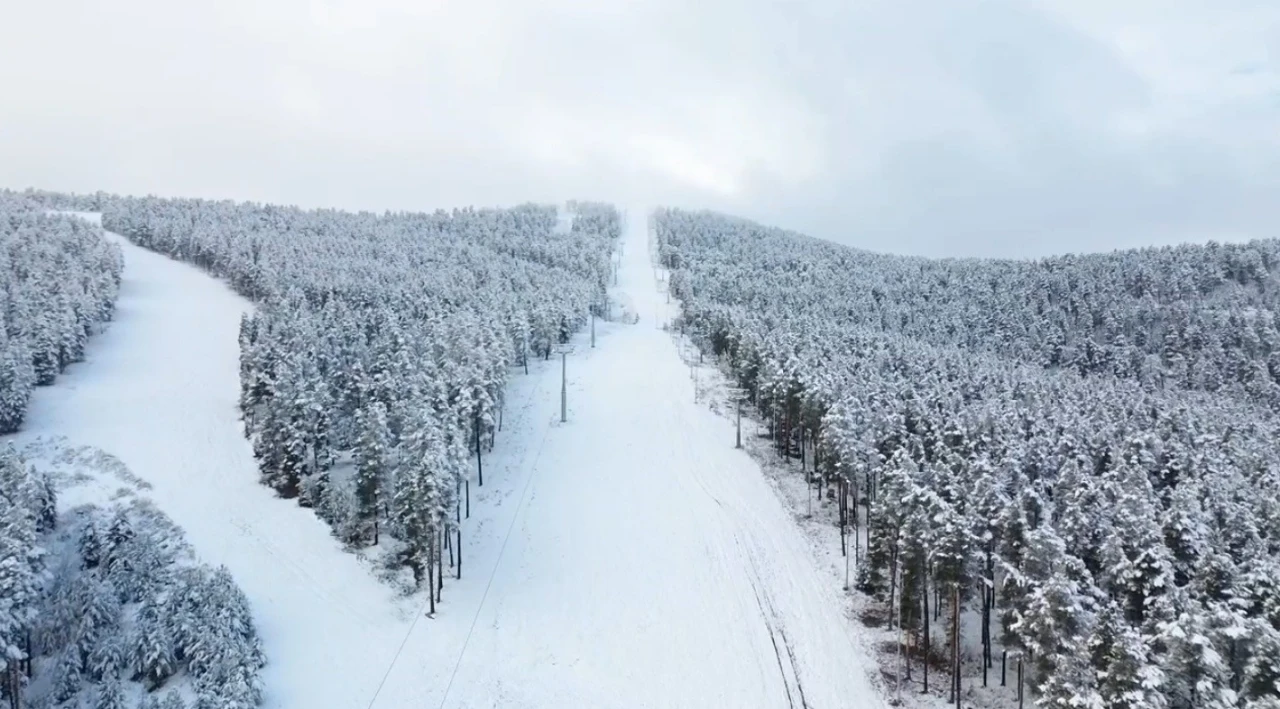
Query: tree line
[[58, 284], [108, 608], [1077, 453], [373, 369]]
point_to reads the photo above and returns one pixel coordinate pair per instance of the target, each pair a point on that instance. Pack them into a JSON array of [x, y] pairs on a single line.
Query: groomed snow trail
[[159, 391], [628, 558], [649, 563]]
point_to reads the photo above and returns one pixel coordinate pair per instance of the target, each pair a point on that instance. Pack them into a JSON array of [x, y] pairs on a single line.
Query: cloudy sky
[[939, 127]]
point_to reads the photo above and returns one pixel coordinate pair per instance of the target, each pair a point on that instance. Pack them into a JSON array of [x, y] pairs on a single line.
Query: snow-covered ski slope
[[158, 390], [649, 563], [628, 558]]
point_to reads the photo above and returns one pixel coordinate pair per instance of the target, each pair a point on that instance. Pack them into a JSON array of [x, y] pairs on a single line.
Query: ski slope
[[648, 563], [630, 557], [158, 390]]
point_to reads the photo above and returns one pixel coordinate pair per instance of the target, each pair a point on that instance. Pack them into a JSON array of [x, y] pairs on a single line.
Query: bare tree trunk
[[927, 637], [955, 625], [893, 578], [431, 570], [11, 684], [459, 545], [479, 458], [857, 534], [986, 633]]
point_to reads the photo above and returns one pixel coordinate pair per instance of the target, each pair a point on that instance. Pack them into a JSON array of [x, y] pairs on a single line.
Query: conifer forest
[[686, 460]]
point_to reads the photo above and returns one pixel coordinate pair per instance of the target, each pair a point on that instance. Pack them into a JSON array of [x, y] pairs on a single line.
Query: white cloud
[[928, 126]]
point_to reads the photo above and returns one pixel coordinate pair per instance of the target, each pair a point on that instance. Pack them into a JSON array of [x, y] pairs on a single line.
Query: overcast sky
[[938, 127]]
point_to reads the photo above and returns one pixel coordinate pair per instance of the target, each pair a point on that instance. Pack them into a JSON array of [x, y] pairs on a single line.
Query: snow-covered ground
[[628, 558], [158, 391], [648, 563]]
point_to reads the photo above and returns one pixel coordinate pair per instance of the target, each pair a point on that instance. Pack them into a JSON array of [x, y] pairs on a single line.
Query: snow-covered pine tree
[[372, 463], [153, 655]]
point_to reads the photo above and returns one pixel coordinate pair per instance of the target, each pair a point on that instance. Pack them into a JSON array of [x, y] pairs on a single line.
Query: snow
[[630, 557], [564, 221], [158, 391]]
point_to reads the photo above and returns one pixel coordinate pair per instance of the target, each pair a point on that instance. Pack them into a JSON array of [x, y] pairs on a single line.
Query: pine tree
[[1128, 675], [108, 656], [153, 652], [371, 459], [1262, 673], [1198, 675], [21, 566], [68, 678], [17, 378], [1057, 621], [90, 545], [46, 505], [420, 493], [110, 695]]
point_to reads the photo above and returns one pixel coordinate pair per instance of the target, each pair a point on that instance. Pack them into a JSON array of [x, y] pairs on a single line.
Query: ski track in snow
[[630, 557]]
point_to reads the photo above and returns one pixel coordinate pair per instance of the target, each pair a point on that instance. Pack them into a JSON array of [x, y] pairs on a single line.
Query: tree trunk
[[986, 633], [857, 534], [479, 459], [893, 579], [844, 520], [928, 640], [459, 545], [955, 623], [431, 570]]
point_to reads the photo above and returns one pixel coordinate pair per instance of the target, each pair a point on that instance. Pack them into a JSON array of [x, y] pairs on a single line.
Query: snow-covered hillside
[[627, 558], [644, 562], [158, 391]]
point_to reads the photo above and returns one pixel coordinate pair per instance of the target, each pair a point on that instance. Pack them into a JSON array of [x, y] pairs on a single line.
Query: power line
[[399, 650], [532, 396], [524, 495]]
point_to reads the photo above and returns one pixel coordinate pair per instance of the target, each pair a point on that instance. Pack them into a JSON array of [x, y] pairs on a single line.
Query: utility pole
[[564, 351], [738, 394], [693, 370]]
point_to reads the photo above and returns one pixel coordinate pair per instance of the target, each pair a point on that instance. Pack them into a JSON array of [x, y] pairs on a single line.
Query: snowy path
[[650, 564], [628, 558], [158, 390]]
